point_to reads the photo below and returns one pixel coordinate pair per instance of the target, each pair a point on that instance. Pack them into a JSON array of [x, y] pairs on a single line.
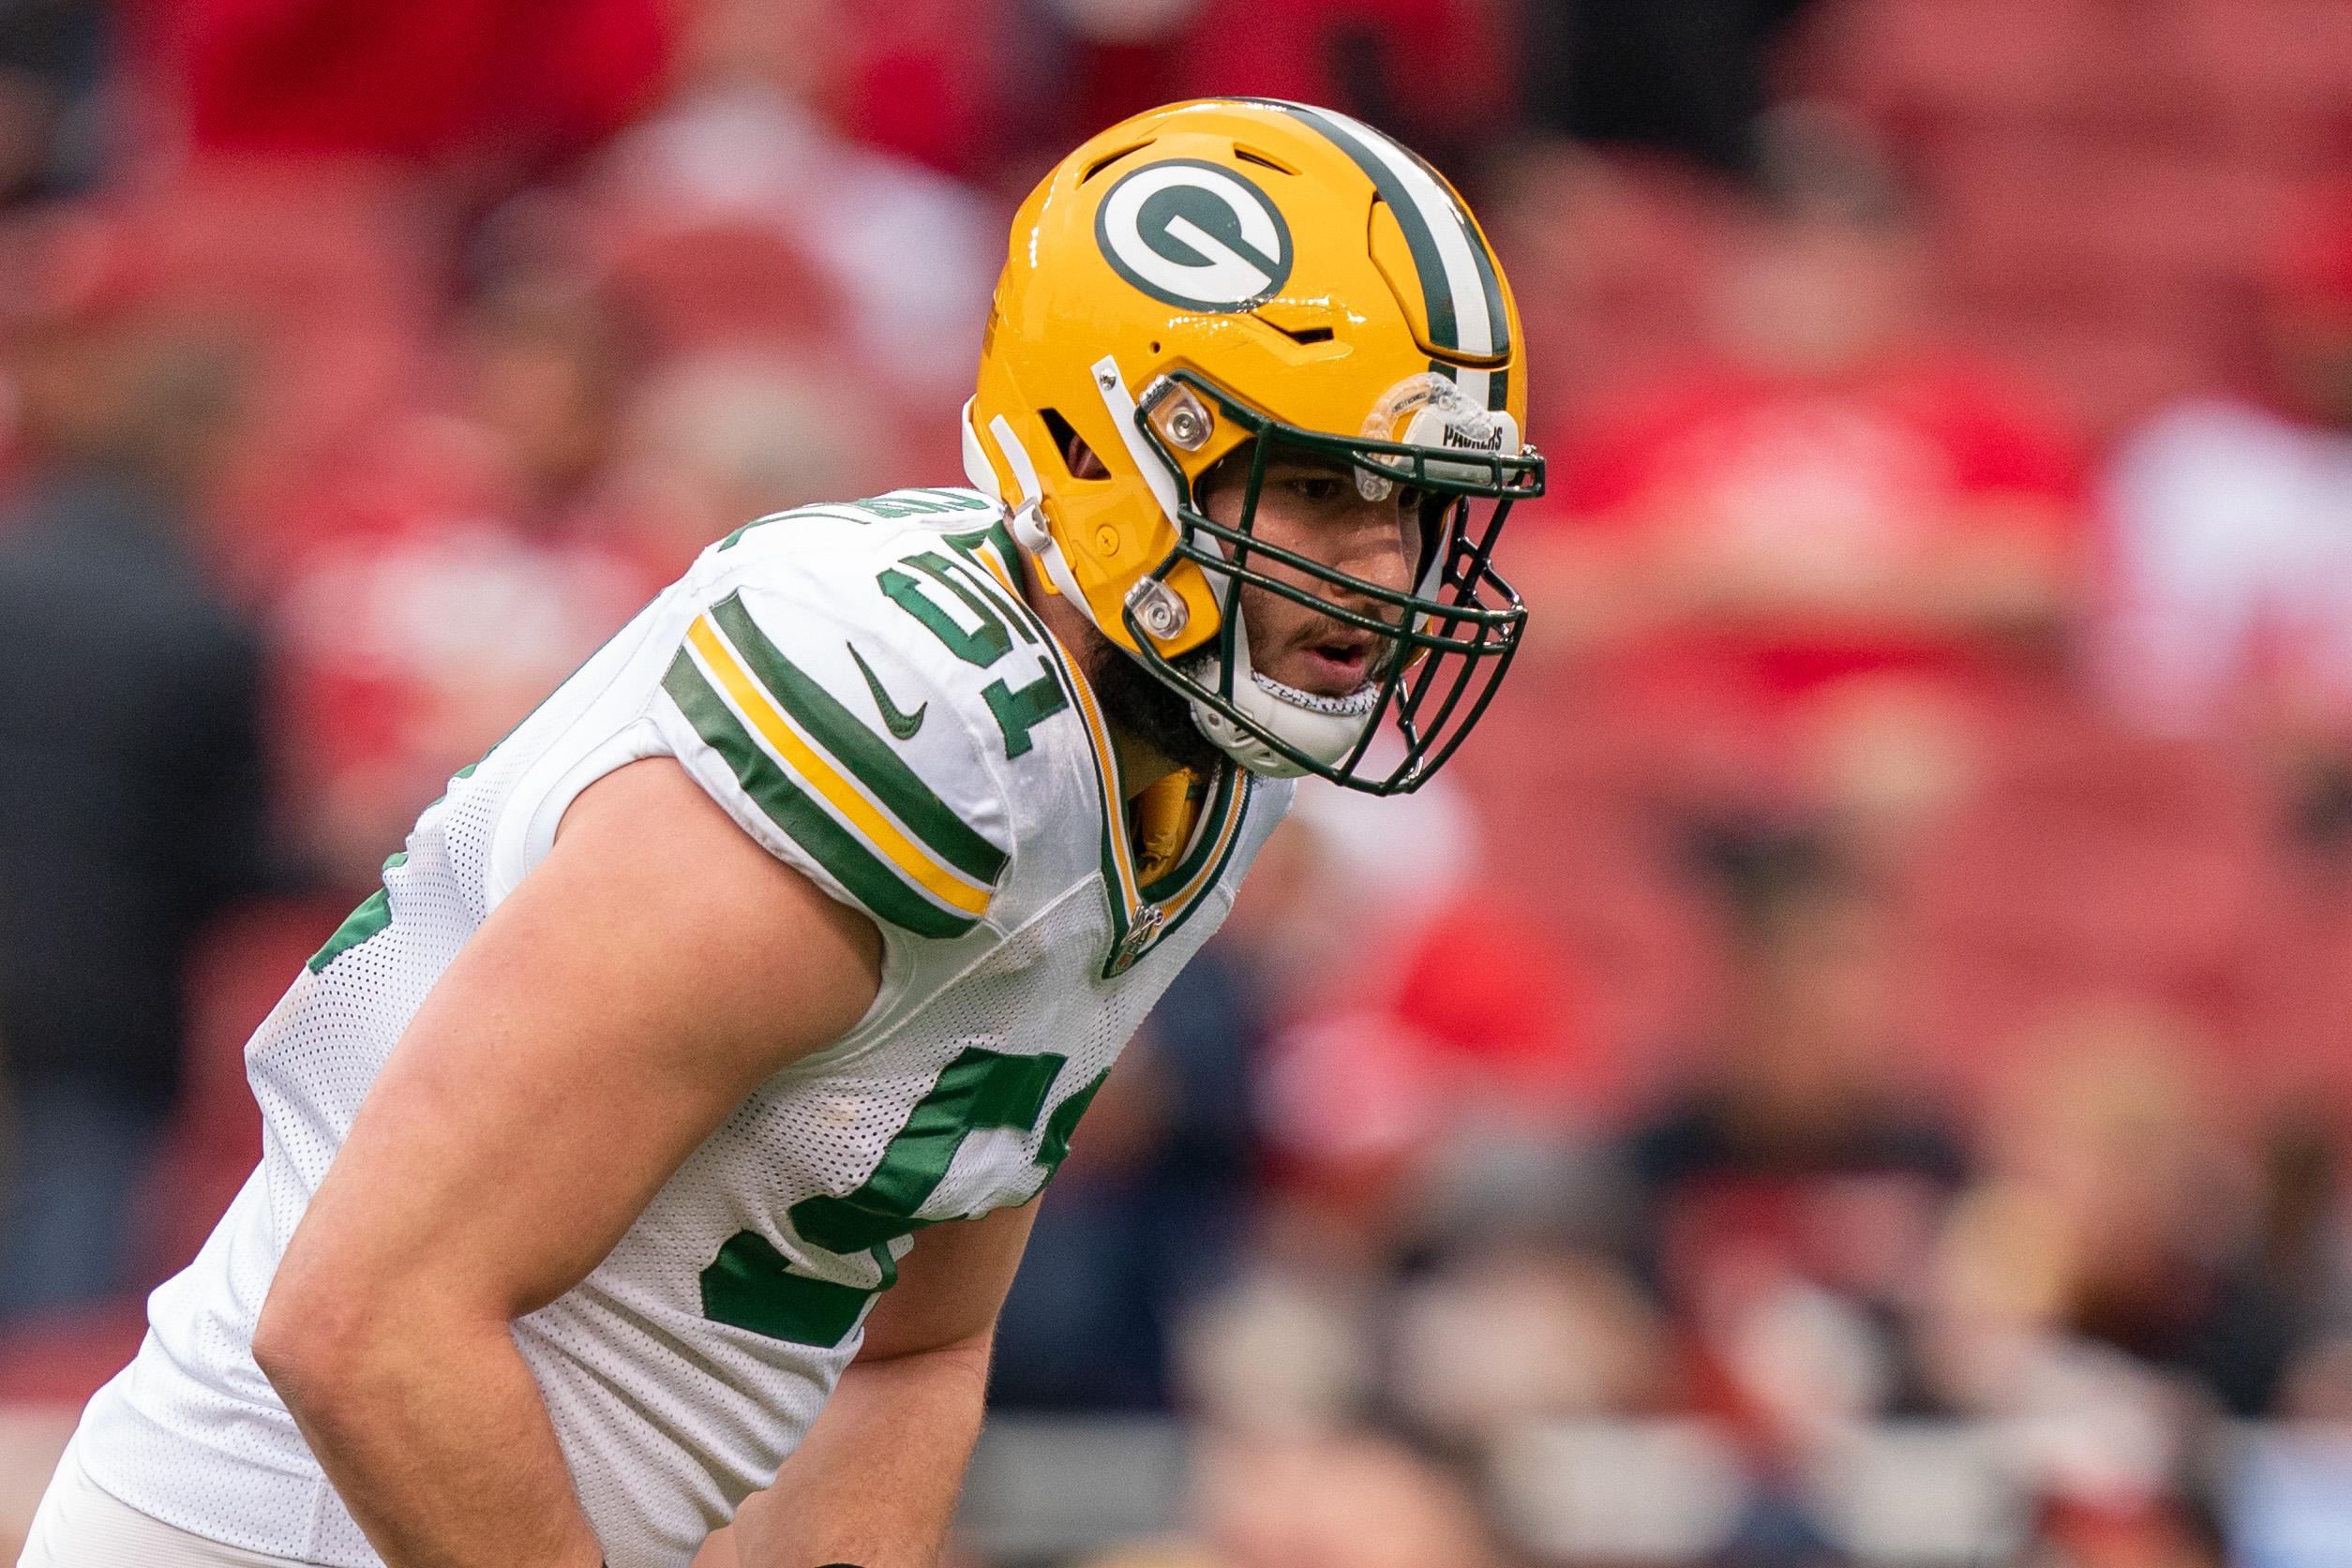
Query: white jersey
[[862, 690]]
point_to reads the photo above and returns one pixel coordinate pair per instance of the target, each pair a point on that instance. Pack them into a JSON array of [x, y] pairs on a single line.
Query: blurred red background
[[1845, 1067]]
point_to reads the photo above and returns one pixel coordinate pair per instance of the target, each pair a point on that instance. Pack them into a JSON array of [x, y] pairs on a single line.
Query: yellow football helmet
[[1241, 273]]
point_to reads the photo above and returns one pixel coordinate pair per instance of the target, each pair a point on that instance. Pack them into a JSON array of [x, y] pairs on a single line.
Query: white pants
[[78, 1526]]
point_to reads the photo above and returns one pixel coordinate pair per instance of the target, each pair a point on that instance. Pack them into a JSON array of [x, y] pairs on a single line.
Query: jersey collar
[[1142, 914]]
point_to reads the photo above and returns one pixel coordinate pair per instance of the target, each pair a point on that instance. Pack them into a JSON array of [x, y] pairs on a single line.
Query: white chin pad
[[1326, 728], [1326, 737], [1430, 411]]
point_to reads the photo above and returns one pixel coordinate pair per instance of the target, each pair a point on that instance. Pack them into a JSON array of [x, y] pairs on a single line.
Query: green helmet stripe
[[1436, 296], [1489, 275], [1420, 199]]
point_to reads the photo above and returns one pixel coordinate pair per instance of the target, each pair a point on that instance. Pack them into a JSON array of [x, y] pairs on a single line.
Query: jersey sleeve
[[843, 752]]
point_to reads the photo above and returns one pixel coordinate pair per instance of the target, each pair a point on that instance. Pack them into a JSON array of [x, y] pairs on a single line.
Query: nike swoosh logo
[[901, 723]]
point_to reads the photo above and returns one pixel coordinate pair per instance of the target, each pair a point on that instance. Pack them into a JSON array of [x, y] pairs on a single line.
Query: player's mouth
[[1338, 661]]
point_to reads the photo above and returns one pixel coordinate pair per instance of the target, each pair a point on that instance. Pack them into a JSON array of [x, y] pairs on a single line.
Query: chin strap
[[1326, 737], [1027, 523]]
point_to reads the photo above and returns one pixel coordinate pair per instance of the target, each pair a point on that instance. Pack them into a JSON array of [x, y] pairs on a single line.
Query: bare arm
[[649, 973], [875, 1480]]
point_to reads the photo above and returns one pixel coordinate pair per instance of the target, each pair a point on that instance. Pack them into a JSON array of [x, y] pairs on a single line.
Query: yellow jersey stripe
[[818, 772], [1107, 773], [1234, 810]]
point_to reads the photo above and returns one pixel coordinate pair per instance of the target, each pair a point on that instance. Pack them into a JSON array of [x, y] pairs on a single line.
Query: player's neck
[[1140, 764]]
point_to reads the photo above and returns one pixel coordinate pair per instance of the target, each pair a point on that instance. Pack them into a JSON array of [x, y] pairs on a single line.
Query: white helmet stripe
[[1450, 255], [1475, 328]]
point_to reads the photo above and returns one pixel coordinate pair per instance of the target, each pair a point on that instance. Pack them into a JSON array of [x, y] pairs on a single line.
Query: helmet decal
[[1168, 292], [1194, 234]]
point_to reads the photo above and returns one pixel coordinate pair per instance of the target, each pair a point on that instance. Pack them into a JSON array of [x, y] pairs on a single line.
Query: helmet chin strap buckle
[[1027, 523]]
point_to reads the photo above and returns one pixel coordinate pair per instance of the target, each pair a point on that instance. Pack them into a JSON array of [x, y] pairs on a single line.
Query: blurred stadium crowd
[[1846, 1066]]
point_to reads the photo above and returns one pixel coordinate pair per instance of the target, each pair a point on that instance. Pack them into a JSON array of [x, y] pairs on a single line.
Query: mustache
[[1390, 650]]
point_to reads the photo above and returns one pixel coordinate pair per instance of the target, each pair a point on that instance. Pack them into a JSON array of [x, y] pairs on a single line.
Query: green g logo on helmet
[[1194, 235]]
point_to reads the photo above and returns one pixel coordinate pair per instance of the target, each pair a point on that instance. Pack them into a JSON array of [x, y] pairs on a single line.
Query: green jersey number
[[750, 1285], [975, 631]]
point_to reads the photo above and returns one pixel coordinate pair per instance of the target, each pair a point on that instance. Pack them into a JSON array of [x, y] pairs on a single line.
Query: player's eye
[[1320, 489]]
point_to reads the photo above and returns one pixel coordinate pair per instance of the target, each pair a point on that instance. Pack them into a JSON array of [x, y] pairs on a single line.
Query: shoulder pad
[[835, 712]]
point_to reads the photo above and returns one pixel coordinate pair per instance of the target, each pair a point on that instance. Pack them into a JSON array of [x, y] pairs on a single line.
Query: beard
[[1147, 709]]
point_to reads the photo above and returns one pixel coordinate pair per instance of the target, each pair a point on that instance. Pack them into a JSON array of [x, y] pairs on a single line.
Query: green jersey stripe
[[869, 879], [373, 914], [752, 1286], [857, 748]]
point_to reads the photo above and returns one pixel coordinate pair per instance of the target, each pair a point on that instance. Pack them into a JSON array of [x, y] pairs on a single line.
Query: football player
[[665, 1131]]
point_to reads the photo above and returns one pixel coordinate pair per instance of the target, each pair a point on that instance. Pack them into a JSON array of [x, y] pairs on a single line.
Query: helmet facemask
[[1443, 643]]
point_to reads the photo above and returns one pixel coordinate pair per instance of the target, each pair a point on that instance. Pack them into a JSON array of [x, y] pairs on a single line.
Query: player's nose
[[1372, 552]]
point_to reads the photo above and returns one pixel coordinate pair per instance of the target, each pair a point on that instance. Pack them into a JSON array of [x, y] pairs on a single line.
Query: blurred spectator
[[1491, 1340], [2124, 1211], [53, 124], [1784, 1206], [742, 146], [1682, 76], [2291, 1501], [2233, 602], [1438, 74], [1159, 1554], [712, 441], [2282, 1303], [1428, 1085], [1285, 1348], [1150, 1212], [1802, 560], [2081, 1294], [462, 572], [485, 91], [1338, 1501], [130, 778], [1613, 259]]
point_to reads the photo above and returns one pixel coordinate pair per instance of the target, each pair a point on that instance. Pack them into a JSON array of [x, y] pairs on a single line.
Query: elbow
[[305, 1341], [329, 1340], [970, 1353], [327, 1335]]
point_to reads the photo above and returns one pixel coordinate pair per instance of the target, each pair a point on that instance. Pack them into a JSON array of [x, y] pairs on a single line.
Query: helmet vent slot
[[1077, 458], [1300, 335], [1109, 159], [1250, 155]]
